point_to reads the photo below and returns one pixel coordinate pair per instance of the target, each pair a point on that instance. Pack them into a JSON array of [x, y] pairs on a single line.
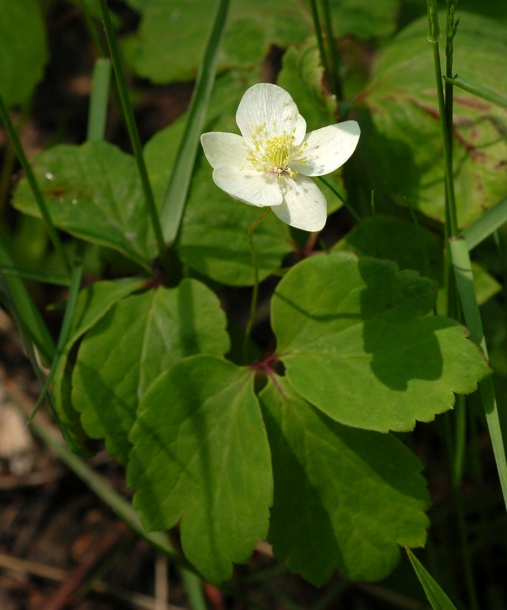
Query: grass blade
[[37, 193], [175, 197], [486, 225], [464, 279], [36, 276], [437, 598], [99, 98], [25, 309], [478, 90], [128, 114], [75, 284]]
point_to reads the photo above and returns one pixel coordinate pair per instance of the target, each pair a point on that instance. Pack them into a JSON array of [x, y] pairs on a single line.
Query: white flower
[[271, 164]]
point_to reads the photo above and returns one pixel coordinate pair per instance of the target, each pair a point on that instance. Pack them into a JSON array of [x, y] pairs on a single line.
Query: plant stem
[[446, 126], [320, 40], [128, 114], [334, 59], [37, 193], [255, 292]]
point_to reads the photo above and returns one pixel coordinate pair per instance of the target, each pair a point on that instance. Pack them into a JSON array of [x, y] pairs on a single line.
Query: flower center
[[275, 155], [278, 154]]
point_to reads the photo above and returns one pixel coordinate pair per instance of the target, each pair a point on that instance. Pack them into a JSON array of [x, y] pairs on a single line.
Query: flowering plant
[[271, 164], [234, 422]]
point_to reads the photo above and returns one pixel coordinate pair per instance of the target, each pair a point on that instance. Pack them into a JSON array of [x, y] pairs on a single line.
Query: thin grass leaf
[[437, 598], [75, 284], [37, 193], [128, 115], [479, 90], [23, 309], [37, 276], [464, 280], [175, 197], [101, 80], [192, 584], [486, 225]]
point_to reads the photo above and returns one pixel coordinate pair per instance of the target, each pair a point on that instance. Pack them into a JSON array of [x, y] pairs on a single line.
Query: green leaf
[[23, 49], [136, 340], [93, 191], [214, 239], [411, 247], [172, 36], [358, 17], [344, 498], [437, 598], [93, 303], [397, 240], [401, 146], [176, 195], [358, 341], [201, 457], [302, 76]]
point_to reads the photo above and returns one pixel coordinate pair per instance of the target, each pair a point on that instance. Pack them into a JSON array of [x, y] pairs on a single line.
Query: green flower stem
[[128, 114], [255, 293], [353, 213], [37, 193]]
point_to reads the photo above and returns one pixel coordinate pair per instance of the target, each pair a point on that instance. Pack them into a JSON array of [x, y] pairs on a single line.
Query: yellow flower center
[[274, 156]]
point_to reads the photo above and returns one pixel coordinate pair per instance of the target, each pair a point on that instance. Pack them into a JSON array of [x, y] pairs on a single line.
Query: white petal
[[271, 106], [224, 149], [249, 186], [304, 205], [327, 149]]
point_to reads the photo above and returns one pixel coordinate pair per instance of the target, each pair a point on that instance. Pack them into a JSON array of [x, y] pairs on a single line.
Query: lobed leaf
[[344, 499], [201, 457], [136, 340], [411, 247], [93, 303], [359, 342]]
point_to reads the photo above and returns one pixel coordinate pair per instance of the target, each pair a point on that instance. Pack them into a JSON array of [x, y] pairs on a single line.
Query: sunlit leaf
[[358, 341], [94, 192]]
